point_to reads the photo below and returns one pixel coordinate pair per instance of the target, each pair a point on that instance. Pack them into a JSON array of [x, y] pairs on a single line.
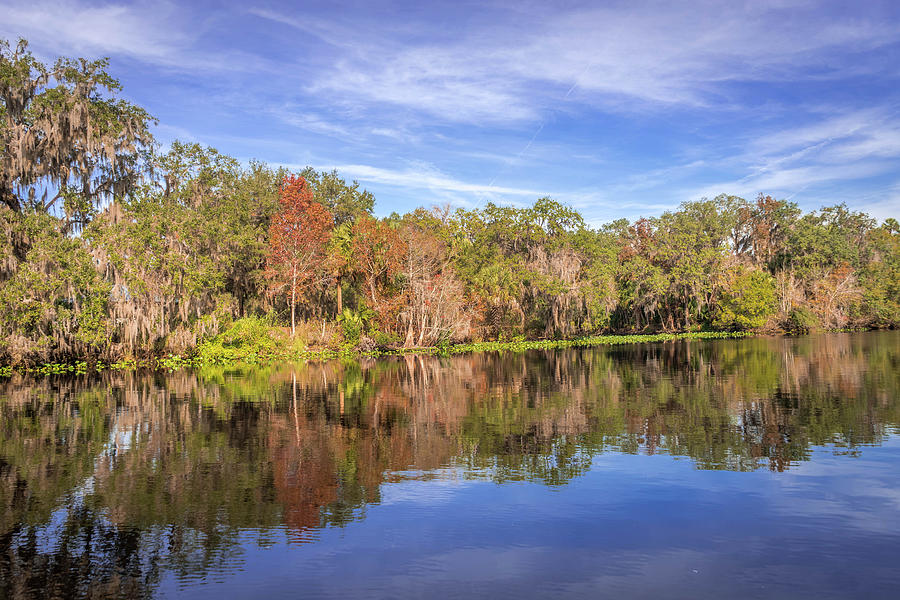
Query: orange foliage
[[297, 238], [377, 254]]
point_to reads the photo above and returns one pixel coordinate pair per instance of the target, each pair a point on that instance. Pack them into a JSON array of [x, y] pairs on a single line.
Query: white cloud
[[425, 177], [658, 177], [510, 69], [139, 31], [158, 33], [143, 32], [429, 80], [313, 123], [477, 89], [882, 204], [786, 182], [827, 130], [880, 140], [840, 149], [349, 130]]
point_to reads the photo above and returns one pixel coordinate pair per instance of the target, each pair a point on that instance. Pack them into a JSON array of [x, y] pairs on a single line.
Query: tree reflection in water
[[106, 481]]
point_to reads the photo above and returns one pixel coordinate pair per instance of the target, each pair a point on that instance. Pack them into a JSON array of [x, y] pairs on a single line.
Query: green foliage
[[386, 341], [748, 302], [801, 319], [250, 339], [826, 239], [134, 256], [346, 202], [53, 302], [186, 256], [588, 342], [63, 136], [881, 276], [354, 323], [526, 267]]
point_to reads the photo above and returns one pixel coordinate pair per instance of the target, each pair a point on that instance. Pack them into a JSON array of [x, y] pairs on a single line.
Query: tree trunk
[[293, 318], [10, 199], [340, 297], [293, 304]]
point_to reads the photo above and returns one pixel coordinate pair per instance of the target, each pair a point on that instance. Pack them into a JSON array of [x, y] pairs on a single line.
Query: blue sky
[[620, 109]]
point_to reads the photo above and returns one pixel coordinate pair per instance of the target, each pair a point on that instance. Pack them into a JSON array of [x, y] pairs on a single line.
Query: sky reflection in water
[[744, 468]]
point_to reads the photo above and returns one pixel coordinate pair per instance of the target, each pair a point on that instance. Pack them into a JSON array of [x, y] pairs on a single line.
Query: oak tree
[[66, 143]]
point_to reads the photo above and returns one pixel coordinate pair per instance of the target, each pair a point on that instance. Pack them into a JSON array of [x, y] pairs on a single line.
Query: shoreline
[[252, 358], [174, 362]]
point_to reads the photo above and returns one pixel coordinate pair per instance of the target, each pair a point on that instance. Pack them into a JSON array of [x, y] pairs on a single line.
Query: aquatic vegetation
[[587, 342]]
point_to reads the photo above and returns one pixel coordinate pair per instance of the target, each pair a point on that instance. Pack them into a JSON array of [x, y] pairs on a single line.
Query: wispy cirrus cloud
[[789, 181], [661, 53], [620, 109], [422, 176], [838, 135], [157, 33], [313, 123], [146, 32], [844, 146]]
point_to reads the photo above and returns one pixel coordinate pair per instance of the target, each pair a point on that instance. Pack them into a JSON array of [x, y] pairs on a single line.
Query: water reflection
[[107, 482]]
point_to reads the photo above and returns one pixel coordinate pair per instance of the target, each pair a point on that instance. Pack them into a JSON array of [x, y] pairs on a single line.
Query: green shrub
[[248, 339], [354, 323], [386, 340], [748, 302], [801, 320]]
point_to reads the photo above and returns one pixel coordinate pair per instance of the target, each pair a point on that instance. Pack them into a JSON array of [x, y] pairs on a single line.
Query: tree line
[[113, 247]]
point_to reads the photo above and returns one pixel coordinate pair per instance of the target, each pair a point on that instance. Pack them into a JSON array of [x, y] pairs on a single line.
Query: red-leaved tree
[[298, 236]]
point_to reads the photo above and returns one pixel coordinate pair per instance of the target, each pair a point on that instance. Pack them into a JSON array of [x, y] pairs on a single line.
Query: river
[[750, 468]]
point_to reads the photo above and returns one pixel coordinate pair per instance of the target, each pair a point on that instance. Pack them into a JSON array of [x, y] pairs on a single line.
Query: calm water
[[760, 468]]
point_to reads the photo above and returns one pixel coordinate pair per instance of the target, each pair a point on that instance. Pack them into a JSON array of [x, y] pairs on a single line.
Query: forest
[[117, 247]]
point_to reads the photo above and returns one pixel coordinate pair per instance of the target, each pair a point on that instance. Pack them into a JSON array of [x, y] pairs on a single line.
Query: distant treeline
[[113, 248]]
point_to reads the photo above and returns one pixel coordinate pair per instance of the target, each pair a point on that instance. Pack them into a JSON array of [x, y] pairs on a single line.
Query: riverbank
[[261, 354]]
